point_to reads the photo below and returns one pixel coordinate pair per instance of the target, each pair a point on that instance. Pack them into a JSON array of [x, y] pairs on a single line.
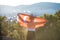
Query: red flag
[[28, 21]]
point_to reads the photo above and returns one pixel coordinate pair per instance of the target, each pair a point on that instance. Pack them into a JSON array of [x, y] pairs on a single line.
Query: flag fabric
[[29, 21]]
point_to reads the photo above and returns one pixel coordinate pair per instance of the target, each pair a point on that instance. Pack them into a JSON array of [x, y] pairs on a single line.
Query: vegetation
[[51, 31]]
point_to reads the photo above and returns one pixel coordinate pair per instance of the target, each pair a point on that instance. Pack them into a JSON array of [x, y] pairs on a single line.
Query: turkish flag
[[29, 21]]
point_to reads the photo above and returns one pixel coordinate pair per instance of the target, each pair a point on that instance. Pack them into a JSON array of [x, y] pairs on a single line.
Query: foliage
[[51, 31]]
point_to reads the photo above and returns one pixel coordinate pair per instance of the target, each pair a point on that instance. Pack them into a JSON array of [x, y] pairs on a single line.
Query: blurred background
[[10, 28]]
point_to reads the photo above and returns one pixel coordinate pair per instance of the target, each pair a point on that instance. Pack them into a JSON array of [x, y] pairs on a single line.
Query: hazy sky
[[24, 2]]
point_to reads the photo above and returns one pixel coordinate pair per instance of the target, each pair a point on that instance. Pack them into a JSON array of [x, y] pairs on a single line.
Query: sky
[[24, 2]]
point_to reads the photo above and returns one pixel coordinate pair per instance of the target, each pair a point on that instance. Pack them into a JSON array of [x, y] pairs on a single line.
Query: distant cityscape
[[10, 19]]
